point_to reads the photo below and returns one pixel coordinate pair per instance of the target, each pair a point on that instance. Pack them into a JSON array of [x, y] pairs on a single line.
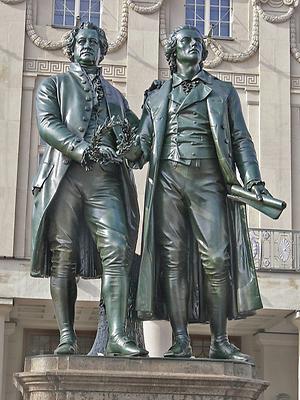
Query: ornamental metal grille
[[66, 11], [276, 250], [209, 14]]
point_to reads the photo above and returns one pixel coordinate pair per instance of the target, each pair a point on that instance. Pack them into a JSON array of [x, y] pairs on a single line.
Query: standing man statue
[[85, 215], [196, 254]]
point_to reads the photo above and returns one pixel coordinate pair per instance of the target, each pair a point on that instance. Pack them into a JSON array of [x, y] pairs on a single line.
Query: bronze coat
[[64, 108], [234, 148]]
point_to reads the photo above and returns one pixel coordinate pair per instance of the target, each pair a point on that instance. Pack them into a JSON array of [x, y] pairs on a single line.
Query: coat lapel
[[198, 93], [215, 106], [159, 106]]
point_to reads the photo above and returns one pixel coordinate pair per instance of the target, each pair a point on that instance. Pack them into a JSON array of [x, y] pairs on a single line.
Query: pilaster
[[5, 308], [12, 34], [277, 354], [158, 337], [27, 163], [275, 116], [142, 68], [296, 322]]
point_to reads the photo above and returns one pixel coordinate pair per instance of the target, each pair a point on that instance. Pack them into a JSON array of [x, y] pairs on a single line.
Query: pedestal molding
[[137, 378]]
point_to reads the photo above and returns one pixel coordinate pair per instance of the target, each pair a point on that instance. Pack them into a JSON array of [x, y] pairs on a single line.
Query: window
[[207, 14], [66, 11], [41, 341]]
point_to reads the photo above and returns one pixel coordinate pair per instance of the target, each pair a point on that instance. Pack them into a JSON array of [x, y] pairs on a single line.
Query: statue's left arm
[[243, 150]]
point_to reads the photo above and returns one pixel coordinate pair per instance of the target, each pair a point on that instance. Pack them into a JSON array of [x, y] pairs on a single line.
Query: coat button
[[87, 89], [87, 108], [194, 122], [88, 98], [194, 113], [222, 126], [226, 140], [81, 129], [83, 82], [193, 154], [229, 155], [84, 118]]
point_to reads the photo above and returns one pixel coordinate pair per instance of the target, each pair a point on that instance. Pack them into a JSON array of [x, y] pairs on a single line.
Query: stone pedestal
[[101, 378]]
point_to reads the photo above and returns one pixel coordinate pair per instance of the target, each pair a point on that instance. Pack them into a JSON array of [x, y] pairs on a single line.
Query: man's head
[[86, 44], [185, 45]]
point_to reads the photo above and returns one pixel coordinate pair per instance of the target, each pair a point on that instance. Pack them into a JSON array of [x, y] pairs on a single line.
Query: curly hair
[[170, 48], [70, 39]]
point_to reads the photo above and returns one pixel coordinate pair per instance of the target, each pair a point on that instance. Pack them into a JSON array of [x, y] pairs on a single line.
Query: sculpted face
[[87, 47], [189, 48]]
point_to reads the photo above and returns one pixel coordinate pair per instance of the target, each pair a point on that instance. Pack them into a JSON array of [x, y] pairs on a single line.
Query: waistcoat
[[188, 135]]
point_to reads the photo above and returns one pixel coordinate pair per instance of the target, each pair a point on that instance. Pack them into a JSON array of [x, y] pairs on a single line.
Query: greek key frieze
[[46, 67], [295, 83], [237, 79]]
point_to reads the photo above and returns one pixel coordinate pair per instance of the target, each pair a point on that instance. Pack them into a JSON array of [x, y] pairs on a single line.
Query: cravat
[[188, 85]]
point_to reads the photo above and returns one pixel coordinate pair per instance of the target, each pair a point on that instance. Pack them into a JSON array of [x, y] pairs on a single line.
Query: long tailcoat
[[234, 148], [64, 108]]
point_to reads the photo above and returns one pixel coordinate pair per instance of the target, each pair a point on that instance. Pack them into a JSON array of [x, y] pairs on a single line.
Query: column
[[5, 307], [296, 322]]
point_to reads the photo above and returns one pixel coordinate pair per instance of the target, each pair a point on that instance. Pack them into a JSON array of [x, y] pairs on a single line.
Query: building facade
[[255, 44]]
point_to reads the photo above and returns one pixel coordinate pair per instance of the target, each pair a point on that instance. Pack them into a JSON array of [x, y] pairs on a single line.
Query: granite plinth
[[103, 378]]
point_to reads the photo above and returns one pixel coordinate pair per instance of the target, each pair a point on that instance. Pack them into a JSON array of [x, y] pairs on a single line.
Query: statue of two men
[[196, 262]]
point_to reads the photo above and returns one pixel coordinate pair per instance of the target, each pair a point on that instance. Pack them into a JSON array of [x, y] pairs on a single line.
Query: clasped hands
[[99, 154], [103, 154], [106, 154]]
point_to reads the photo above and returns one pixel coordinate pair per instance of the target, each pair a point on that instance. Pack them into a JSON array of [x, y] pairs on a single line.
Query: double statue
[[196, 261]]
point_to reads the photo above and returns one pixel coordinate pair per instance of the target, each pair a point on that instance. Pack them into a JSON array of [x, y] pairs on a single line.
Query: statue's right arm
[[50, 125]]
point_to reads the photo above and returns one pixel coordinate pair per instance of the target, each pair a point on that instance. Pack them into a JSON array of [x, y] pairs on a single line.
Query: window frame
[[207, 19], [53, 337], [76, 13]]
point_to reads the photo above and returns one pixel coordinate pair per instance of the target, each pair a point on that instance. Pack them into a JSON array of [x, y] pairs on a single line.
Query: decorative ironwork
[[276, 250]]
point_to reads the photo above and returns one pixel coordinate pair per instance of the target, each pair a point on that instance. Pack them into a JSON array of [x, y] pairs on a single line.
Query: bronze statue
[[85, 215], [197, 263]]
